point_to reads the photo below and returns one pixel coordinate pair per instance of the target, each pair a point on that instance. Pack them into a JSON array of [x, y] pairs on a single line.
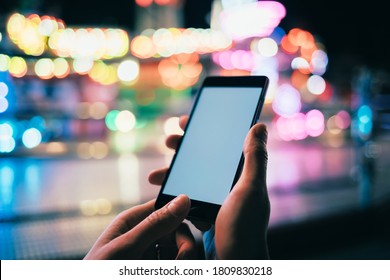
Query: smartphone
[[209, 158]]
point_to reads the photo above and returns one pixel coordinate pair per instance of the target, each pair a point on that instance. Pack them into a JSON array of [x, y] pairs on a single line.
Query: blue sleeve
[[209, 245]]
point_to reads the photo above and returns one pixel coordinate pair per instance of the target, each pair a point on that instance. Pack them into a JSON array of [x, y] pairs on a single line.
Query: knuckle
[[157, 216]]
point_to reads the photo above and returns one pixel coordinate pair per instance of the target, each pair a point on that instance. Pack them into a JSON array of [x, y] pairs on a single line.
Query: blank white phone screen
[[206, 164]]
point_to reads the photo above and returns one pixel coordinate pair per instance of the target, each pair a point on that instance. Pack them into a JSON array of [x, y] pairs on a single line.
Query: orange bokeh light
[[180, 71], [144, 3]]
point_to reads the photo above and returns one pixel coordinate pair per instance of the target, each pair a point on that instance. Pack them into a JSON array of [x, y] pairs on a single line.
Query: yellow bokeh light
[[61, 67], [180, 71], [24, 33], [111, 77], [89, 207], [104, 206], [89, 43], [44, 68], [103, 73], [56, 148], [143, 47], [17, 67]]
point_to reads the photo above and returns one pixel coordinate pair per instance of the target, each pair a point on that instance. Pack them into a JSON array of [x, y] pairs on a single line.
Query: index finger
[[158, 224]]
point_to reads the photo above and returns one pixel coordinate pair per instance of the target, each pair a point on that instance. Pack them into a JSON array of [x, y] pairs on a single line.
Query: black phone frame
[[200, 210]]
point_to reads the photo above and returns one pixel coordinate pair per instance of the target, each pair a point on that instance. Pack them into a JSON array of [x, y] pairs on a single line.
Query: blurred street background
[[89, 91]]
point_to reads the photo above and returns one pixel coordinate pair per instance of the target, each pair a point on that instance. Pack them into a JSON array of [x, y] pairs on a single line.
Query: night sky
[[354, 32]]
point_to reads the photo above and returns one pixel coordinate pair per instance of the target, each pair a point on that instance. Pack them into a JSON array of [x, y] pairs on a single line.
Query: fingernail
[[179, 206], [261, 133]]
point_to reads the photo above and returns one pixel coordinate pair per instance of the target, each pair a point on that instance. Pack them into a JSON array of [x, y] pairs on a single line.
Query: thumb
[[159, 223], [255, 157]]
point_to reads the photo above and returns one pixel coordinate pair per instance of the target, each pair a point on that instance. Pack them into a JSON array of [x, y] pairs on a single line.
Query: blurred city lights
[[3, 104], [364, 119], [180, 71], [144, 3], [96, 150], [124, 142], [300, 125], [254, 19], [5, 61], [142, 46], [56, 148], [167, 42], [128, 70], [89, 43], [267, 47], [82, 66], [44, 68], [158, 60], [3, 89], [7, 143], [110, 120], [17, 67], [98, 110], [343, 119], [287, 101], [315, 123], [61, 68], [332, 126], [25, 34], [100, 206], [125, 121], [316, 84], [31, 138]]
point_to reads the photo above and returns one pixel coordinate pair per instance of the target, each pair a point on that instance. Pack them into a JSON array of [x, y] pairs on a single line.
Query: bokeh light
[[128, 70], [255, 19], [3, 104], [267, 47], [44, 68], [365, 122], [3, 89], [7, 142], [5, 62], [17, 67], [82, 66], [61, 67], [125, 121], [31, 138], [287, 101], [315, 123], [110, 120], [316, 84]]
